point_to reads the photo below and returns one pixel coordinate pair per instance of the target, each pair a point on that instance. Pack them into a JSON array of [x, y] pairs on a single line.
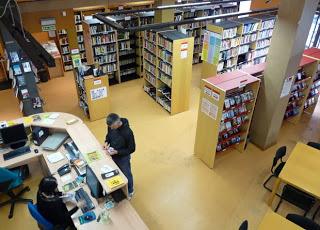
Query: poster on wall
[[211, 47], [286, 89]]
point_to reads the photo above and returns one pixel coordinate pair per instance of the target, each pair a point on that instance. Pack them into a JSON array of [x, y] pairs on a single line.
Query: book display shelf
[[168, 68], [93, 93], [261, 47], [101, 47], [127, 48], [79, 16], [65, 49], [303, 81], [240, 42], [226, 107]]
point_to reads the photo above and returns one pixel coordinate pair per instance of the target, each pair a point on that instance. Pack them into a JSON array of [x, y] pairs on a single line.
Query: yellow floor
[[174, 190]]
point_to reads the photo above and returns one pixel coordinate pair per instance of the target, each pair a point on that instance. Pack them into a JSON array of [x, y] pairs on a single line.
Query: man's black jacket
[[121, 139]]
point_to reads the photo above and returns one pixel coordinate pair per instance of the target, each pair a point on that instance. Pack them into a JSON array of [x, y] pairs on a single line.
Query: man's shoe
[[130, 195]]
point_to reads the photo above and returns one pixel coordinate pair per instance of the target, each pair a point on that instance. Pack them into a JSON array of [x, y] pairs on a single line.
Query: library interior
[[161, 114]]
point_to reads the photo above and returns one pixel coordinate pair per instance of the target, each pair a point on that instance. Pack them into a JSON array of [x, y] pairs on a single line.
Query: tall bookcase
[[226, 107], [168, 69], [313, 96], [102, 47], [241, 42], [93, 94], [65, 49], [303, 82]]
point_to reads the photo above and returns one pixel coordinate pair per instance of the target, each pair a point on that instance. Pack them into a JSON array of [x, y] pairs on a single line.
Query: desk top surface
[[302, 169], [123, 216], [274, 221]]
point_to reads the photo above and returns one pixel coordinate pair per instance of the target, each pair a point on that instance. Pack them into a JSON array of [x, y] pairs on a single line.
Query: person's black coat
[[121, 139], [54, 210]]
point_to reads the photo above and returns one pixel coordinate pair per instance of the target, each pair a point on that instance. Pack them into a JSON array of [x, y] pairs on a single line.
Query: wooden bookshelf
[[101, 47], [65, 49], [244, 42], [303, 81], [313, 96], [93, 94], [168, 68], [226, 107]]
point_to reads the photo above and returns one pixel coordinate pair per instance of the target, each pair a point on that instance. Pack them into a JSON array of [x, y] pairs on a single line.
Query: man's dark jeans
[[125, 166]]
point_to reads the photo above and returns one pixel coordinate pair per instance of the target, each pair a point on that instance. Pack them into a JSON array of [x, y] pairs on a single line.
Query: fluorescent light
[[111, 19]]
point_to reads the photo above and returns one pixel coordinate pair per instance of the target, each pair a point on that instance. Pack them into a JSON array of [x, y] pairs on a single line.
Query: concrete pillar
[[164, 15], [288, 42]]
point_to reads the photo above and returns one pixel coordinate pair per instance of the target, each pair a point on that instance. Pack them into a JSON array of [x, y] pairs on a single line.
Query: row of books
[[165, 55], [150, 57], [81, 47], [104, 49], [100, 28], [230, 33], [264, 34], [310, 102], [65, 50], [124, 45], [165, 67], [243, 49], [263, 43], [80, 38], [103, 39], [109, 68], [250, 28], [149, 46], [150, 68], [165, 43], [268, 24], [151, 90], [63, 41], [248, 38], [77, 19], [66, 58], [259, 60], [127, 61], [165, 102], [106, 58], [165, 79], [230, 43], [150, 36], [227, 54], [150, 78], [79, 28], [127, 72], [260, 52], [62, 32]]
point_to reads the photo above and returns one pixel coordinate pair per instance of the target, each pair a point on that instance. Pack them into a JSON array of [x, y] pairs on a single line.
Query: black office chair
[[244, 225], [315, 213], [303, 222], [314, 144], [275, 170], [296, 197], [7, 188]]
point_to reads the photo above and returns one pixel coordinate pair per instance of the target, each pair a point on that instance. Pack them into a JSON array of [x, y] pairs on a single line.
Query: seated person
[[51, 206]]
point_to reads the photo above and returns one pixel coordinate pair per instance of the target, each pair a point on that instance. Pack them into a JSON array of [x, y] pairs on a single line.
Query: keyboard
[[82, 195], [17, 152]]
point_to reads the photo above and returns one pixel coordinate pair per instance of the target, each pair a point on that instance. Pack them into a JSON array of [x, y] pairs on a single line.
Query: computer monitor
[[93, 183], [14, 136]]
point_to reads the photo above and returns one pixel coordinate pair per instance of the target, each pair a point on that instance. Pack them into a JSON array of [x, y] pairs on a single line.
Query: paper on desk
[[27, 120], [48, 121], [55, 157], [54, 115], [66, 178], [106, 169]]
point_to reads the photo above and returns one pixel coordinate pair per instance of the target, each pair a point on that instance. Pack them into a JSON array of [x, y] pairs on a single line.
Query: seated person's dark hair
[[112, 118], [48, 185]]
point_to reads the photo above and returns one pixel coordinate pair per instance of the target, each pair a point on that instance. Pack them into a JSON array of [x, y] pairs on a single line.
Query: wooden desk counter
[[274, 221], [123, 216], [301, 170]]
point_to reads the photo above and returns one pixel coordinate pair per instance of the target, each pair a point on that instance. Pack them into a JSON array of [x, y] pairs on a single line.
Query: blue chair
[[42, 222], [9, 180]]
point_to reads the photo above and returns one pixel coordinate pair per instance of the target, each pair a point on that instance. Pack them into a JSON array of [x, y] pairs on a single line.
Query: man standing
[[120, 143]]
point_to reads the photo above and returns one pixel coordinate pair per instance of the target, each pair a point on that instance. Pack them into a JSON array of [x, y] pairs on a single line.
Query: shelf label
[[207, 91], [98, 93], [287, 85], [209, 109], [97, 82], [242, 83], [215, 95], [184, 50]]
